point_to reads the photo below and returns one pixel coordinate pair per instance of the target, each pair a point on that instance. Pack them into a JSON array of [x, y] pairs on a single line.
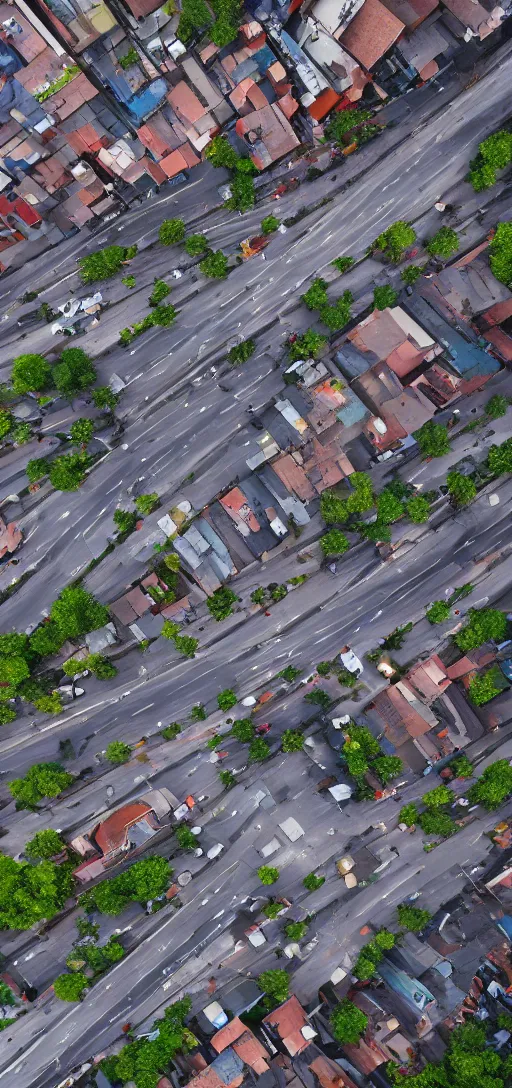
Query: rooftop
[[371, 33], [287, 1022]]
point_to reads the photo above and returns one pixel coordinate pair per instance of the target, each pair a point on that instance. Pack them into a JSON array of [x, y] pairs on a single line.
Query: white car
[[350, 662]]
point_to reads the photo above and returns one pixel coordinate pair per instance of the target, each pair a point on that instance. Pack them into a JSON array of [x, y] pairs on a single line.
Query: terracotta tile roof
[[270, 135], [501, 342], [329, 1074], [288, 105], [371, 33], [111, 835], [429, 678], [185, 103], [244, 1043], [396, 711], [189, 155], [153, 141], [324, 103], [288, 1020], [236, 505], [174, 163], [293, 477], [496, 314]]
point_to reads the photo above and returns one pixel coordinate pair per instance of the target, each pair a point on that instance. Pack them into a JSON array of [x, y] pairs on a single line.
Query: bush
[[344, 122], [228, 779], [21, 434], [258, 750], [412, 918], [437, 823], [334, 543], [160, 291], [186, 839], [343, 264], [70, 987], [81, 431], [493, 786], [324, 668], [170, 732], [387, 767], [226, 699], [104, 398], [104, 264], [348, 1022], [268, 874], [319, 698], [220, 604], [485, 686], [411, 274], [408, 815], [67, 473], [308, 345], [243, 730], [171, 232], [497, 406], [395, 240], [383, 297], [337, 316], [462, 489], [272, 909], [418, 509], [333, 509], [215, 265], [316, 295], [438, 612], [295, 931], [45, 844], [146, 503], [269, 224], [312, 882], [118, 752], [292, 741], [443, 244], [6, 422], [196, 244], [289, 673], [432, 439], [30, 374], [125, 521], [440, 795], [198, 713], [276, 984], [240, 353], [484, 625]]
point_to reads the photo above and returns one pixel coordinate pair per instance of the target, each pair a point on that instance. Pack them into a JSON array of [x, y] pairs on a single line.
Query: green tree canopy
[[337, 315], [500, 251], [411, 274], [240, 353], [104, 398], [41, 780], [333, 509], [418, 508], [343, 264], [31, 374], [438, 612], [220, 604], [395, 240], [29, 893], [81, 431], [68, 472], [312, 882], [171, 232], [70, 987], [105, 263], [269, 224], [74, 373], [348, 1022], [220, 153], [6, 422], [432, 439], [408, 814], [142, 881], [243, 730], [226, 699], [435, 822], [444, 243], [45, 844], [146, 503], [276, 984], [186, 838], [484, 624], [118, 752], [384, 296], [387, 767], [308, 345], [462, 489], [258, 750], [343, 122], [493, 786], [196, 244], [292, 740], [268, 874], [215, 265], [389, 508], [440, 795], [497, 406], [485, 686], [316, 295], [412, 918], [334, 543], [76, 612]]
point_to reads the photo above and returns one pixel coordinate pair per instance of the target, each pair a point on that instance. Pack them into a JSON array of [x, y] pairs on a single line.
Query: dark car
[[32, 318]]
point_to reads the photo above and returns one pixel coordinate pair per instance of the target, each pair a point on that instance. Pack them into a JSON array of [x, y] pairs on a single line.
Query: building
[[127, 830]]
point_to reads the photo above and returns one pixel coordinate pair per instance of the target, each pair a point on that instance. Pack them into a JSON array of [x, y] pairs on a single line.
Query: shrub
[[295, 931], [243, 730], [160, 291], [484, 624], [289, 673], [30, 374], [104, 398], [103, 264], [319, 698], [70, 987], [432, 439], [198, 713], [240, 353], [443, 244], [276, 984], [332, 508], [226, 699], [316, 295], [408, 815], [258, 750], [337, 316], [45, 844], [411, 274], [437, 823], [269, 224], [412, 918], [324, 668], [344, 122], [306, 346], [129, 281], [348, 1022], [228, 779], [118, 752], [384, 296], [438, 612], [171, 232], [292, 741], [272, 909], [186, 839], [440, 795], [461, 767], [462, 489], [81, 431], [125, 521], [418, 509], [215, 265], [21, 433], [343, 263], [334, 543], [485, 686], [196, 244], [497, 406], [170, 732], [268, 874], [220, 604], [146, 503], [312, 882], [395, 240], [387, 767]]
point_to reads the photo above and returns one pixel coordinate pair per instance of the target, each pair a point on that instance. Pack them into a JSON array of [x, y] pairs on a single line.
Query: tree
[[258, 750], [81, 431], [240, 353], [418, 509], [337, 316], [220, 153], [70, 987], [497, 406], [484, 625], [343, 122], [499, 458], [196, 244], [389, 508], [226, 699], [289, 673], [384, 296], [198, 713], [316, 295], [501, 253], [319, 697], [308, 345], [125, 521], [41, 780], [411, 274], [357, 764], [186, 839], [13, 671], [395, 239], [104, 264], [76, 612], [170, 630], [343, 264], [160, 288], [170, 732], [21, 434], [36, 468], [171, 232], [461, 767], [259, 595], [243, 730], [7, 714], [295, 931], [220, 604], [292, 740], [334, 543], [462, 489], [215, 265], [104, 398], [312, 882], [186, 645], [444, 243], [440, 795], [412, 918], [437, 823], [268, 874], [362, 497], [408, 815], [49, 704], [47, 639], [332, 508], [364, 967], [227, 779], [67, 473], [118, 752], [438, 612], [485, 686], [146, 503], [172, 562], [494, 154], [493, 786], [74, 373], [324, 668], [387, 767], [30, 374], [377, 531], [269, 224], [6, 422], [45, 844], [275, 984], [29, 893], [164, 316], [348, 1022], [361, 736], [142, 881], [432, 439]]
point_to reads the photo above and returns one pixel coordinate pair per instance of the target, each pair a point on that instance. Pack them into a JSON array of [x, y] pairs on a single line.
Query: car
[[349, 661], [33, 317]]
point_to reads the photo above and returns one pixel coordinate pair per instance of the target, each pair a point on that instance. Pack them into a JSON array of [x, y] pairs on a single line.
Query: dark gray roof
[[228, 1066], [352, 362], [241, 997]]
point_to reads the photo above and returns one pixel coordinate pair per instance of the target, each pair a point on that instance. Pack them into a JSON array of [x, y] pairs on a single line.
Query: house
[[244, 1043], [267, 135], [288, 1027], [495, 324], [371, 33], [126, 830], [10, 539]]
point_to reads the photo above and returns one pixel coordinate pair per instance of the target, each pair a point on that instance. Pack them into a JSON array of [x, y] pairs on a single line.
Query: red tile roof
[[173, 164], [112, 834], [323, 104], [371, 33], [238, 508], [185, 103], [244, 1043], [397, 712], [288, 1020]]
